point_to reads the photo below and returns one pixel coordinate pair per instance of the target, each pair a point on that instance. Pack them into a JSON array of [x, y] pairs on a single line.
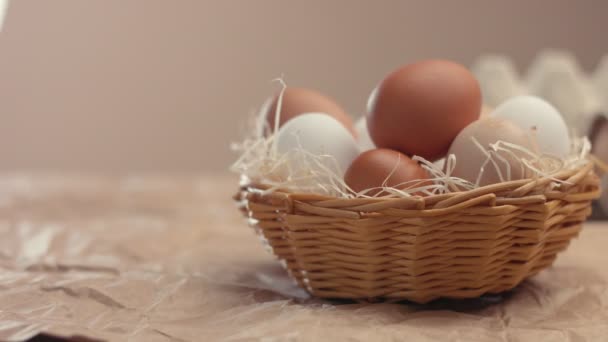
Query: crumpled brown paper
[[157, 259]]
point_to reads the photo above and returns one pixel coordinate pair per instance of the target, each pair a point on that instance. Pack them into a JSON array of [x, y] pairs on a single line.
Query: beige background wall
[[121, 86]]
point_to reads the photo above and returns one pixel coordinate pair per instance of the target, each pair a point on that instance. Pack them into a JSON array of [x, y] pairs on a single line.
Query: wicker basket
[[457, 245]]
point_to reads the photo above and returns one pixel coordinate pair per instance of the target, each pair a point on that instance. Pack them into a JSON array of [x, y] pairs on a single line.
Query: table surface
[[160, 259]]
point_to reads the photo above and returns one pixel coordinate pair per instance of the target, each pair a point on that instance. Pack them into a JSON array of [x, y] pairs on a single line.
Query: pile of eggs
[[431, 109]]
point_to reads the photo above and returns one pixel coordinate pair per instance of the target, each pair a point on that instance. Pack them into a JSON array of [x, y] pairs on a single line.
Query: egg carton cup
[[453, 245], [555, 75]]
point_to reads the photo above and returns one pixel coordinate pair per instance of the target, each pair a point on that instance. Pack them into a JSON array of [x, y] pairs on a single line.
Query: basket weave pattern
[[456, 245]]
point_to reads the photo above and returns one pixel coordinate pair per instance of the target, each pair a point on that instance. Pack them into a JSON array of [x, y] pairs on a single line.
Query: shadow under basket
[[456, 245]]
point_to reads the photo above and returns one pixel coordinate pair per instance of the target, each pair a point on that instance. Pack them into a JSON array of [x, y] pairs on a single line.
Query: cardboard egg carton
[[554, 75]]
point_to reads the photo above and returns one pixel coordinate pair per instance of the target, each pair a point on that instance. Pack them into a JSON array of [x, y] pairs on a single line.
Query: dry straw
[[458, 241]]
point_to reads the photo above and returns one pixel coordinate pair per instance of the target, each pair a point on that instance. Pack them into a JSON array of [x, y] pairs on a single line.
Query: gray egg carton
[[554, 75]]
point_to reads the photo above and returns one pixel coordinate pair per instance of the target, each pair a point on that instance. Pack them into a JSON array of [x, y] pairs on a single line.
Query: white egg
[[364, 140], [318, 134], [539, 118]]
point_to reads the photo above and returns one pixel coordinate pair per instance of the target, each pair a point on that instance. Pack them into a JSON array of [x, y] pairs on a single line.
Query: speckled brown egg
[[420, 108], [487, 131], [372, 170], [297, 101]]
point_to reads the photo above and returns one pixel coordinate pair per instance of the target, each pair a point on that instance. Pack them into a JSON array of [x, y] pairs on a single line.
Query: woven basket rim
[[531, 190]]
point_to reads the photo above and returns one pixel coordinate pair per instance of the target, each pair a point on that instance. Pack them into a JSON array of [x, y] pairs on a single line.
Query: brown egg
[[421, 107], [372, 168], [298, 101], [489, 130]]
